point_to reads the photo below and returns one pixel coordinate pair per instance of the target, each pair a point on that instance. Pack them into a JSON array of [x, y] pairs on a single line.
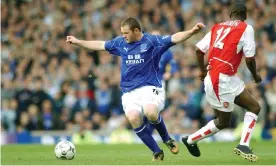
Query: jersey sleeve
[[111, 46], [163, 41], [249, 46], [204, 43]]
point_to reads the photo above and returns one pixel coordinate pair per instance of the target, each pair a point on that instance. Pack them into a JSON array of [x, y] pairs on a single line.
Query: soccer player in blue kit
[[140, 83]]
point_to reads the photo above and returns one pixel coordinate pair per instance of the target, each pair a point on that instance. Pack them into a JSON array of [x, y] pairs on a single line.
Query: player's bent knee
[[151, 112], [257, 108], [226, 125], [134, 118], [222, 124], [254, 108], [152, 116]]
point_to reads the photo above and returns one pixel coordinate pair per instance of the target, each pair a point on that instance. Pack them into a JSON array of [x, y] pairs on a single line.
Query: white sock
[[248, 127], [206, 131]]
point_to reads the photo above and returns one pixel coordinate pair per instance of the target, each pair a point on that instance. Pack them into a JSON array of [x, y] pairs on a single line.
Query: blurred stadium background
[[51, 90]]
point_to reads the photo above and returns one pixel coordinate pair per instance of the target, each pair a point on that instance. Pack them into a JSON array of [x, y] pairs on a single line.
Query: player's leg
[[149, 125], [247, 101], [222, 121], [134, 115], [136, 121], [152, 112], [222, 103]]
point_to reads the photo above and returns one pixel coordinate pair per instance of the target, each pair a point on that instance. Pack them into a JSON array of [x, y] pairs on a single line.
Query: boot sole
[[249, 157]]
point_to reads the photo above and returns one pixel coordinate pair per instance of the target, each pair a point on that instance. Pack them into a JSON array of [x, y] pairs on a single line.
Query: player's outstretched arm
[[251, 65], [92, 45], [182, 36]]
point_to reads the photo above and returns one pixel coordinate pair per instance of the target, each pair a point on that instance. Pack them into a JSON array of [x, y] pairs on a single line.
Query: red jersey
[[227, 43]]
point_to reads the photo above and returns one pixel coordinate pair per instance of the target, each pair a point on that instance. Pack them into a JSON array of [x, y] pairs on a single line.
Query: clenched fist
[[198, 27], [72, 40]]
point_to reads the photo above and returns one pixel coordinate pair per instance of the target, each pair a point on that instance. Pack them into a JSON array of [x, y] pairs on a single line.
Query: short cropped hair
[[132, 23], [238, 10]]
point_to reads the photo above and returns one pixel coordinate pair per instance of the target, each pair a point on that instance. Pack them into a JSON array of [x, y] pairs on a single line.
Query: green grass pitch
[[136, 154]]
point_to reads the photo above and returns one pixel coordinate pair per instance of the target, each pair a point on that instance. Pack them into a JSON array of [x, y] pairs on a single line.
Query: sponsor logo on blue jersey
[[134, 59]]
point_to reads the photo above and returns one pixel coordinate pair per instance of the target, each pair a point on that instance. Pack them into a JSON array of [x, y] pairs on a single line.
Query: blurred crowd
[[48, 84]]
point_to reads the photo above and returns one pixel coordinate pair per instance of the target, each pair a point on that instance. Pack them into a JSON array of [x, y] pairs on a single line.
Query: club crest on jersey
[[225, 104], [143, 48]]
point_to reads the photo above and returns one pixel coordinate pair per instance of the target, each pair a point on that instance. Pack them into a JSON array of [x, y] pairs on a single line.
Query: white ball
[[65, 150]]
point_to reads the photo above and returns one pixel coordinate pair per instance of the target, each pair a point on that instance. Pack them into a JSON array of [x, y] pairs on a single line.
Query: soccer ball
[[65, 150]]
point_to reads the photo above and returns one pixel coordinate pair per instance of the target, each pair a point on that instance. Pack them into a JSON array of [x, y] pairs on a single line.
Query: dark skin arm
[[200, 61], [251, 65]]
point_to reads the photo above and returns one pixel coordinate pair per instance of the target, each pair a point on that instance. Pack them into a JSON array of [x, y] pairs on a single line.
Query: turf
[[135, 154]]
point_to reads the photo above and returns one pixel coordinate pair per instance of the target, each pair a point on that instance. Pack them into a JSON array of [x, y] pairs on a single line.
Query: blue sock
[[147, 138], [161, 128], [149, 125]]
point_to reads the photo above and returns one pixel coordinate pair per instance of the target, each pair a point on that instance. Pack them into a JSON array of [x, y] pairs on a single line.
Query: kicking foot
[[173, 146], [246, 153], [193, 148]]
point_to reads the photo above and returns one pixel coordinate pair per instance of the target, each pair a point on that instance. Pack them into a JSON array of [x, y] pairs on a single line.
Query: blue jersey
[[140, 59]]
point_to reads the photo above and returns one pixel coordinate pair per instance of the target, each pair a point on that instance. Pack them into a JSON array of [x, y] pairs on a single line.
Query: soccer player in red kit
[[227, 43]]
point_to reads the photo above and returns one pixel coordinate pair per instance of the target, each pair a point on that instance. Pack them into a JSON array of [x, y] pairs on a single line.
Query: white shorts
[[138, 98], [163, 84], [228, 88]]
